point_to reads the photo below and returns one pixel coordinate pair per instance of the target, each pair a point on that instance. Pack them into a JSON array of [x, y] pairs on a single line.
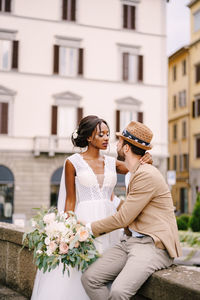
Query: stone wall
[[17, 271]]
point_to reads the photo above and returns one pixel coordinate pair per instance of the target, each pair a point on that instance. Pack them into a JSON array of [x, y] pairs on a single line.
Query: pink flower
[[77, 244], [63, 248], [83, 235], [52, 246]]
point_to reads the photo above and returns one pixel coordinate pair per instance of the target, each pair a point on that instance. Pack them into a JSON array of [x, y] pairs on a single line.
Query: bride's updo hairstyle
[[85, 129]]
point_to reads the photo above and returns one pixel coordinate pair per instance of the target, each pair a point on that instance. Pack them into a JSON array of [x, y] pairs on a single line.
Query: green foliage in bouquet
[[194, 223], [57, 238]]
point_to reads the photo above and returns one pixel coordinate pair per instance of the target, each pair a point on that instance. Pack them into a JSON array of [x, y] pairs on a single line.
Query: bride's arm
[[121, 168], [70, 186]]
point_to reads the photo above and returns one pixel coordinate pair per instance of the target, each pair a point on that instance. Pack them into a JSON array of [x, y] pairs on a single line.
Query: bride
[[89, 179]]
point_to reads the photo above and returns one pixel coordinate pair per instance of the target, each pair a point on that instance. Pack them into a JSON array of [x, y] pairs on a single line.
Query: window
[[196, 107], [129, 16], [184, 67], [55, 185], [6, 194], [175, 132], [68, 58], [128, 109], [3, 118], [185, 162], [8, 51], [69, 10], [184, 130], [65, 114], [174, 162], [6, 110], [197, 71], [184, 200], [198, 147], [174, 102], [182, 98], [174, 73], [132, 67], [197, 20], [5, 5]]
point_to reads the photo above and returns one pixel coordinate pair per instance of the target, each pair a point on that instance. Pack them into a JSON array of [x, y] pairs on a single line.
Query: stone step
[[8, 294]]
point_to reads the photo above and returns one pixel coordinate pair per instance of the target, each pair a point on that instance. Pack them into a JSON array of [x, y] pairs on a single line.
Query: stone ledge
[[17, 271], [176, 282]]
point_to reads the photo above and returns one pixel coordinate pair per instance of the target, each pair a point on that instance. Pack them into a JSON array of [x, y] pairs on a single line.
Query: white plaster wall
[[102, 84], [102, 57]]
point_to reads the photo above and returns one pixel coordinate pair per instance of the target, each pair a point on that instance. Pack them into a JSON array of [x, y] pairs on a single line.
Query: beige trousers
[[128, 265]]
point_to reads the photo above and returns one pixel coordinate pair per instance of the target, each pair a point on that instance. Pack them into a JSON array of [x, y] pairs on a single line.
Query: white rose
[[48, 218], [49, 252], [39, 252], [47, 240]]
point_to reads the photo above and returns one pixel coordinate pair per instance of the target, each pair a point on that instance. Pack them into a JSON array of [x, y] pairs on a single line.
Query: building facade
[[195, 98], [184, 116], [178, 118], [62, 60]]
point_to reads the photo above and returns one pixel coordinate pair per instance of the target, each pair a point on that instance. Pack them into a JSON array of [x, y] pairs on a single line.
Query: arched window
[[55, 184], [6, 194]]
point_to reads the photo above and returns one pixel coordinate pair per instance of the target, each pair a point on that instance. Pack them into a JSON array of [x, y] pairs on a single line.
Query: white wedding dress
[[93, 194]]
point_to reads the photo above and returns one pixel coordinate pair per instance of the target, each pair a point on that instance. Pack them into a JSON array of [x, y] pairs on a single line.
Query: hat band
[[134, 138]]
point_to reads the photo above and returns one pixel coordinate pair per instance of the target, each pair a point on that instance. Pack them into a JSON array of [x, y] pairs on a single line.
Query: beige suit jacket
[[148, 209]]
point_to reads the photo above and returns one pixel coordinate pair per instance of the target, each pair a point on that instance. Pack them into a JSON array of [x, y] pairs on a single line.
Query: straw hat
[[137, 134]]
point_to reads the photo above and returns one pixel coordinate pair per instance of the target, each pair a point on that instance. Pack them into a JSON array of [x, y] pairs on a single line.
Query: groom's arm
[[141, 190]]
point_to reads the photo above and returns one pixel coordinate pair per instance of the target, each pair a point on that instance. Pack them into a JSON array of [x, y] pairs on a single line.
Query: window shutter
[[140, 116], [64, 10], [132, 17], [73, 10], [80, 62], [193, 109], [125, 16], [56, 60], [79, 114], [4, 118], [117, 120], [54, 111], [140, 67], [7, 5], [15, 55], [125, 61]]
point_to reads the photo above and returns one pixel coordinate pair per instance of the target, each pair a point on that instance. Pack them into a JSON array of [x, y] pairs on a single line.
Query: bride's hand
[[147, 158]]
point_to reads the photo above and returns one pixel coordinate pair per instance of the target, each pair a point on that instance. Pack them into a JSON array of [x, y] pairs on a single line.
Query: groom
[[150, 240]]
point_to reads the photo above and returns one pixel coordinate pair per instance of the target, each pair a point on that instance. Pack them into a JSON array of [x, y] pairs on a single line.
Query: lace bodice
[[87, 183]]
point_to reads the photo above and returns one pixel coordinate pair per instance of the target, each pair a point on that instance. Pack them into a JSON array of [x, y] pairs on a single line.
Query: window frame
[[197, 73], [65, 99], [67, 14], [125, 51], [7, 96], [174, 73], [68, 43], [128, 104], [3, 6], [10, 36], [194, 14], [197, 144]]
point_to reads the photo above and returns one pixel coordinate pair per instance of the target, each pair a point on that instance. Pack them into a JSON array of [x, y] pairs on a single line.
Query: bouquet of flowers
[[57, 237]]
